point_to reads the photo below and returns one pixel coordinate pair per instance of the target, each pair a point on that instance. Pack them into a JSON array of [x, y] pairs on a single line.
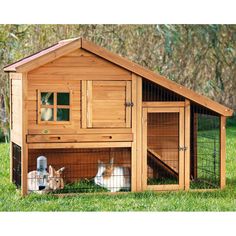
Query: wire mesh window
[[205, 148], [154, 92], [16, 165], [162, 148], [85, 170]]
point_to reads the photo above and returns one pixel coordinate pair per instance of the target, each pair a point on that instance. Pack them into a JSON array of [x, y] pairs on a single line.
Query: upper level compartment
[[78, 91]]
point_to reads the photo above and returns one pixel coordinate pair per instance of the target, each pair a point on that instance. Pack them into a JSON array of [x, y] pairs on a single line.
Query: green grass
[[10, 199]]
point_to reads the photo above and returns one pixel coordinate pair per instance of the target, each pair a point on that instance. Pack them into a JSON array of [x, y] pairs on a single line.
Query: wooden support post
[[24, 147], [222, 151], [10, 114], [144, 149], [139, 155], [134, 143], [187, 144]]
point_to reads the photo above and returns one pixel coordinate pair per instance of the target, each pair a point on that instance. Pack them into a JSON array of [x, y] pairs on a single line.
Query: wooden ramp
[[158, 160]]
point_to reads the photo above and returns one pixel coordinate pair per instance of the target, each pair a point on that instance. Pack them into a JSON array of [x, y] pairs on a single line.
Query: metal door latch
[[129, 104], [183, 148]]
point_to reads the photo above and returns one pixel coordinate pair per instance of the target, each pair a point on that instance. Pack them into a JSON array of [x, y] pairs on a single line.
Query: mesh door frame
[[173, 109]]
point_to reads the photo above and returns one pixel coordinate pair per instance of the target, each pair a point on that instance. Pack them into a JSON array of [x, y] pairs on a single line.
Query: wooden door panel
[[106, 104]]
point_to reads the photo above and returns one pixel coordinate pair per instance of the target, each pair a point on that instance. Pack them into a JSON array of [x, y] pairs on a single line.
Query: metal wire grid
[[88, 170], [154, 92], [163, 148], [16, 165], [205, 143]]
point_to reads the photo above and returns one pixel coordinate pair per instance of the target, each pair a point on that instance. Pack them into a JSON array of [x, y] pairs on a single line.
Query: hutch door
[[163, 148]]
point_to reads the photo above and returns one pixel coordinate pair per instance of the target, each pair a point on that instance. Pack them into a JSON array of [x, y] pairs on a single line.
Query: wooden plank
[[144, 149], [79, 138], [156, 78], [15, 76], [222, 152], [139, 145], [108, 123], [128, 108], [24, 147], [77, 77], [163, 187], [161, 162], [16, 137], [78, 145], [181, 144], [71, 130], [163, 104], [187, 144], [89, 104], [10, 123], [76, 70], [163, 109], [134, 128], [84, 104], [50, 56], [10, 100]]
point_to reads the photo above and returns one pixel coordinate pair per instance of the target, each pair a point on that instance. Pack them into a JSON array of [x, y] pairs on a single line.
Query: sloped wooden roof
[[66, 46]]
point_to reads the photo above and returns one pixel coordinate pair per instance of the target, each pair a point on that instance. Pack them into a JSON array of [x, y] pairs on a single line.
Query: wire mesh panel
[[16, 165], [155, 92], [162, 148], [84, 170], [205, 146]]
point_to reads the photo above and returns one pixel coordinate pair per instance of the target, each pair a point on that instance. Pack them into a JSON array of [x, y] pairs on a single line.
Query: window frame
[[54, 107]]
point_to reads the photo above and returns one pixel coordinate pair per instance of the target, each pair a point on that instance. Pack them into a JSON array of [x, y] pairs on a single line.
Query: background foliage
[[201, 57]]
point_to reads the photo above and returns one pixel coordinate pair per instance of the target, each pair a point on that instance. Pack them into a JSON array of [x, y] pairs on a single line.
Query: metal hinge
[[129, 104]]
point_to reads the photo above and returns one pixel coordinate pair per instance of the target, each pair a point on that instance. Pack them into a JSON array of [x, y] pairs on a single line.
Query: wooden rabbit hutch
[[79, 105]]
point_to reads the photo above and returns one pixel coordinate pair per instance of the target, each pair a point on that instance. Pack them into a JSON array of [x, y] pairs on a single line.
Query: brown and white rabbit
[[53, 181], [113, 178]]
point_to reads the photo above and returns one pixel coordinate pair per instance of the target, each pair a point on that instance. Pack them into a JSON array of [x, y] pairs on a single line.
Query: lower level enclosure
[[87, 170]]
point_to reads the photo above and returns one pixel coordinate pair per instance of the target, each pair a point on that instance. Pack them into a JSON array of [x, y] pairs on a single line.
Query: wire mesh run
[[16, 165], [205, 146], [82, 170], [162, 148]]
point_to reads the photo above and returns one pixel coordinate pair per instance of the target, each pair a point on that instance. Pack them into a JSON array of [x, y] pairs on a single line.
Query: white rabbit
[[112, 178], [53, 180]]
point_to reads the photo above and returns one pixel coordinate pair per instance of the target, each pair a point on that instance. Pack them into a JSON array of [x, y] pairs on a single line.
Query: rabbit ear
[[51, 170], [100, 162], [61, 170], [112, 161]]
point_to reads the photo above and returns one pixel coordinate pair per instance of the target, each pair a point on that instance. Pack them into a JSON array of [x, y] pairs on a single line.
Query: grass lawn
[[10, 199]]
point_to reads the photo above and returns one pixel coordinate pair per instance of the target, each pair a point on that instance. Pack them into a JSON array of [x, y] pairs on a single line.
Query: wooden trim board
[[187, 145], [24, 147], [78, 145], [134, 173], [139, 146], [79, 138]]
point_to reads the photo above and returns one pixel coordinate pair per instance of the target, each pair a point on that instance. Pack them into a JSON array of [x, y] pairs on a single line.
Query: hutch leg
[[222, 151]]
